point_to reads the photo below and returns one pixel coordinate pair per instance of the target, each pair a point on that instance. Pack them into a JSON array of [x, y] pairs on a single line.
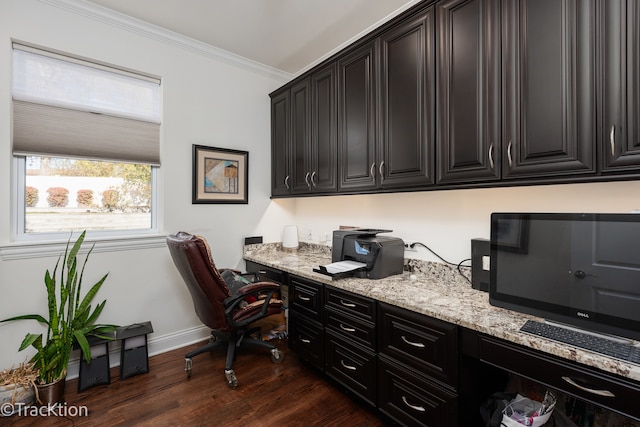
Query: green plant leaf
[[92, 293], [84, 345], [31, 339], [37, 317]]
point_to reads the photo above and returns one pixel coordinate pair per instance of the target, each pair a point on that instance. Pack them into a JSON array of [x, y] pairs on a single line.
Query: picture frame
[[220, 175]]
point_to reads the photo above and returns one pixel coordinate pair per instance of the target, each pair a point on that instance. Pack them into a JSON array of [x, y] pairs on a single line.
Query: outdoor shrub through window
[[71, 194]]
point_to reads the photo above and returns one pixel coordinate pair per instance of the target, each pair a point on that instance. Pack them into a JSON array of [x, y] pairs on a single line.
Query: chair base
[[232, 341]]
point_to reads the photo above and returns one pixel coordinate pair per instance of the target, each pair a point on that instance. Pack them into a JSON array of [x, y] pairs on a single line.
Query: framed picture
[[220, 175]]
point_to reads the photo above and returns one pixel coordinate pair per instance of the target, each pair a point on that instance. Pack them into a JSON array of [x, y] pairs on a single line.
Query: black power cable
[[458, 265]]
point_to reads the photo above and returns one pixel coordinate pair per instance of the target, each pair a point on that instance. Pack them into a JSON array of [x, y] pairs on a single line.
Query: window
[[85, 144]]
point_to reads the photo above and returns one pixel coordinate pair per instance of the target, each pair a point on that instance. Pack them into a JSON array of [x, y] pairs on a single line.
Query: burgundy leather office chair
[[227, 315]]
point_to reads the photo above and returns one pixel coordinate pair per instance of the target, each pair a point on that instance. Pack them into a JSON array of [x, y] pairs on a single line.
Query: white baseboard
[[156, 345]]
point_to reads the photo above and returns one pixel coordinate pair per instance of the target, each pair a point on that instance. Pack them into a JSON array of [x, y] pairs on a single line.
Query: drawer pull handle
[[605, 393], [344, 328], [304, 340], [612, 140], [417, 408], [349, 367], [347, 304], [415, 344], [303, 298]]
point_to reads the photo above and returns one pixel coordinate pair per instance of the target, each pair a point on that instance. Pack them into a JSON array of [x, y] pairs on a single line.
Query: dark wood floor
[[268, 394]]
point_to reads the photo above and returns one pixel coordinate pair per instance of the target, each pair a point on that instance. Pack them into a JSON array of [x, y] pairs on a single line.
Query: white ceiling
[[288, 35]]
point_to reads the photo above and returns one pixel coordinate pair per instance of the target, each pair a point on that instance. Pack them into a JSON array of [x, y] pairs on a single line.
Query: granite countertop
[[437, 290]]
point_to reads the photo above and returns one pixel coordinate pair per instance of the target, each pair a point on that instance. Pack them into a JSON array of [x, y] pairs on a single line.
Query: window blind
[[74, 108]]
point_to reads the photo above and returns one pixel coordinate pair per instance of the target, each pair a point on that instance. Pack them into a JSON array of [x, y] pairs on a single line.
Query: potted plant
[[69, 320]]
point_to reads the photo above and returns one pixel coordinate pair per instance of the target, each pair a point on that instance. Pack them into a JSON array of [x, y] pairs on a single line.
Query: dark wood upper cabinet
[[407, 103], [300, 137], [357, 119], [467, 93], [324, 132], [303, 136], [620, 123], [549, 103], [468, 90], [280, 137]]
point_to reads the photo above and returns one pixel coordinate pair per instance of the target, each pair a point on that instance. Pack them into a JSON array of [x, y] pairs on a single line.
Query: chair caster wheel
[[187, 367], [232, 380], [277, 356]]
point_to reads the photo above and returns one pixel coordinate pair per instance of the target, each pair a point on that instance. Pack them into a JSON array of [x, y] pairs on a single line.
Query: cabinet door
[[468, 90], [356, 119], [620, 134], [324, 145], [412, 400], [301, 137], [548, 96], [407, 103], [280, 159]]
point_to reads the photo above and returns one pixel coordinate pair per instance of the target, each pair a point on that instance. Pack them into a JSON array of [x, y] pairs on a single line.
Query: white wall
[[446, 221], [209, 99]]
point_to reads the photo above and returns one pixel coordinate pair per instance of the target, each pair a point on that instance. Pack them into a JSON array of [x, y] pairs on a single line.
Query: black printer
[[383, 255]]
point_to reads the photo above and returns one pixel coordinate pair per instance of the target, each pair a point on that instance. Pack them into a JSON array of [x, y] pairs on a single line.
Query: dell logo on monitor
[[581, 314]]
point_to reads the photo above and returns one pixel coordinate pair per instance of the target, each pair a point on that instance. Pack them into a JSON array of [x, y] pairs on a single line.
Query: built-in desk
[[488, 333]]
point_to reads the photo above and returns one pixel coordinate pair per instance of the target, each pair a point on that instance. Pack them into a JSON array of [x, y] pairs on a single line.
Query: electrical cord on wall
[[458, 265]]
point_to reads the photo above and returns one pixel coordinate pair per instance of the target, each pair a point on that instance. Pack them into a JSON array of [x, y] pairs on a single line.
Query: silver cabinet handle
[[417, 408], [286, 182], [349, 367], [304, 340], [415, 344], [612, 140], [347, 304], [381, 171], [303, 298], [605, 393], [371, 170], [344, 328], [491, 155], [509, 154], [306, 180], [313, 180]]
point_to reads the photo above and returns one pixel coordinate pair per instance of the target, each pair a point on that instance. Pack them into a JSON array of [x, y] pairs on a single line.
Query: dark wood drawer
[[266, 274], [306, 338], [597, 387], [427, 345], [355, 305], [351, 328], [413, 401], [352, 366], [306, 298]]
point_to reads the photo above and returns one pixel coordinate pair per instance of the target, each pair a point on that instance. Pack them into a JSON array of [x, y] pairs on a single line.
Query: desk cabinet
[[306, 331], [418, 367], [588, 384], [351, 342]]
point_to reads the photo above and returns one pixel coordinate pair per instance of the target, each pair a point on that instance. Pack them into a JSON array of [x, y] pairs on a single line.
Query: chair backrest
[[193, 260]]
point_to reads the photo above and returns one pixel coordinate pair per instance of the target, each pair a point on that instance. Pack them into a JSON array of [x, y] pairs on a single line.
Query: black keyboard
[[607, 347]]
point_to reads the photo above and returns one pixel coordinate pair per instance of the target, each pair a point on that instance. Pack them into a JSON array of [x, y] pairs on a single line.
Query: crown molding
[[163, 35]]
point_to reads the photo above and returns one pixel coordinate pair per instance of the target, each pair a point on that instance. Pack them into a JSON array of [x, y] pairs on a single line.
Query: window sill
[[24, 250]]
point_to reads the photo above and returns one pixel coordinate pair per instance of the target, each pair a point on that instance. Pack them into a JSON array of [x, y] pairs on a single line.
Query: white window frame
[[35, 245]]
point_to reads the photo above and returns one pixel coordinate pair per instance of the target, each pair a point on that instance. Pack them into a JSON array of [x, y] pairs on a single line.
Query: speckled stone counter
[[439, 291]]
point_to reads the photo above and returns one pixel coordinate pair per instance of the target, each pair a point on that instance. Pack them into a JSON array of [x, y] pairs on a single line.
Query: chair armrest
[[257, 287], [233, 302]]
